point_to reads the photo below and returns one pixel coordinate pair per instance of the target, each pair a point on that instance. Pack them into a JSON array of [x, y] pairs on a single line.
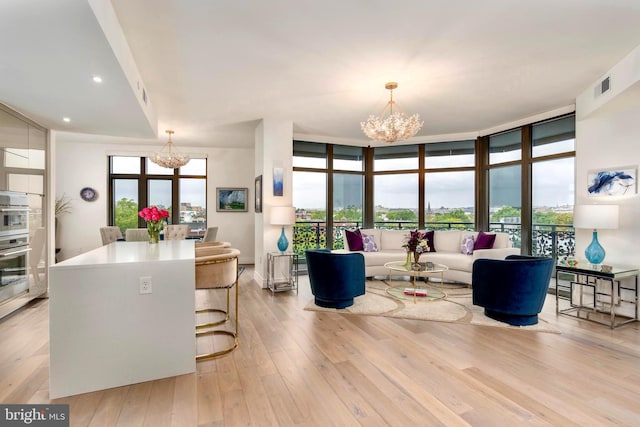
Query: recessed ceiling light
[[97, 79], [66, 119]]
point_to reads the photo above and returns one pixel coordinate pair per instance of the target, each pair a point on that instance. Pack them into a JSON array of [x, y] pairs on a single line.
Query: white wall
[[81, 164], [608, 136]]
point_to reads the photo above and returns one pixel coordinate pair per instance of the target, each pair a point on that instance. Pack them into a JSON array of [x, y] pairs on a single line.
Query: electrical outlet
[[145, 285]]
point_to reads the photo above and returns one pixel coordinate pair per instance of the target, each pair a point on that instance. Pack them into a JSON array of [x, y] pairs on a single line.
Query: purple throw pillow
[[467, 245], [429, 236], [354, 240], [484, 241], [369, 243]]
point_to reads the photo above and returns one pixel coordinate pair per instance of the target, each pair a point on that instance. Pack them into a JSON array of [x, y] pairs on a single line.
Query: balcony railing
[[552, 240]]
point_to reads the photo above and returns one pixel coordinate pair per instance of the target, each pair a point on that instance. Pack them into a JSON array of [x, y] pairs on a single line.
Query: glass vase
[[154, 234]]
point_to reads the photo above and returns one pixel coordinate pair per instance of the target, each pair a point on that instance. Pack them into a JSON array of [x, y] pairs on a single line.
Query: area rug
[[455, 307]]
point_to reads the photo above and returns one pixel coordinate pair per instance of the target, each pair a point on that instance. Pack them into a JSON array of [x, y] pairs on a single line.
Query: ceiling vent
[[602, 87]]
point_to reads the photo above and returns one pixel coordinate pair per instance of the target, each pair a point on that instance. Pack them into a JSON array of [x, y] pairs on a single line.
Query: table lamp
[[283, 215], [595, 217]]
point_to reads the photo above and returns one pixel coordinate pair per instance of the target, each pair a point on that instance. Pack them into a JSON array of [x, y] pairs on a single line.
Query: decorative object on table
[[612, 182], [258, 194], [167, 157], [88, 194], [595, 217], [155, 219], [395, 126], [572, 262], [606, 268], [283, 215], [278, 181], [231, 199], [416, 243]]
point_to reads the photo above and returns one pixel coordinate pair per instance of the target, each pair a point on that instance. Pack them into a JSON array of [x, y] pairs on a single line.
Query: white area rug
[[456, 307]]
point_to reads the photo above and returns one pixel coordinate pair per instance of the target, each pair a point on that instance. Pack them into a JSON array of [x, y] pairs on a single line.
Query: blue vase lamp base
[[283, 243], [594, 252]]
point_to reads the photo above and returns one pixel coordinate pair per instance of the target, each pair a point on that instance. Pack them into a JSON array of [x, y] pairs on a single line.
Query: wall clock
[[88, 194]]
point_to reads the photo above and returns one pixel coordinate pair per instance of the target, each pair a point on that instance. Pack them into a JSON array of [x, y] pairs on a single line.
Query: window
[[135, 183], [505, 147]]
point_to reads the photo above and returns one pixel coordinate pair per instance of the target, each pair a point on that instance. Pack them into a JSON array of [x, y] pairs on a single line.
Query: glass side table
[[593, 291], [282, 271]]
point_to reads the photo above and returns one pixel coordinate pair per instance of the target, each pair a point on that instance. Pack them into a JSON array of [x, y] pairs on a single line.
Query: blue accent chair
[[512, 290], [335, 278]]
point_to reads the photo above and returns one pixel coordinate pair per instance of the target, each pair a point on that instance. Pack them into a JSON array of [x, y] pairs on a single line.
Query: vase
[[154, 234], [407, 262], [416, 257]]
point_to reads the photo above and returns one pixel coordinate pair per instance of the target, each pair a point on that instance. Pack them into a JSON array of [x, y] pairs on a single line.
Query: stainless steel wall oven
[[14, 244]]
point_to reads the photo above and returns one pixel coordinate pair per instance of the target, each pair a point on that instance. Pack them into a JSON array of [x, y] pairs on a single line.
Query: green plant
[[63, 205]]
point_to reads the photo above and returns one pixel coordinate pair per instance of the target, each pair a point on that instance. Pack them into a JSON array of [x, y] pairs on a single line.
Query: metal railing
[[552, 240]]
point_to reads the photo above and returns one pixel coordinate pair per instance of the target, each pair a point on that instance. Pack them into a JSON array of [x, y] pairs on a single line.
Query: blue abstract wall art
[[278, 181], [612, 182]]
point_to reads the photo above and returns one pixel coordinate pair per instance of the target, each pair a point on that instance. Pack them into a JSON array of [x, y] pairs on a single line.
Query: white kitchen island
[[105, 333]]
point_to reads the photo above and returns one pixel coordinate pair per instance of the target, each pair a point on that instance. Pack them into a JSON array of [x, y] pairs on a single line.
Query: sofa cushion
[[369, 243], [466, 247], [448, 241], [354, 240], [430, 240], [392, 239], [484, 241]]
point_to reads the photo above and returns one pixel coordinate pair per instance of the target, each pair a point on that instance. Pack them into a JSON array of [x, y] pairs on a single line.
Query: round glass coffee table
[[422, 292]]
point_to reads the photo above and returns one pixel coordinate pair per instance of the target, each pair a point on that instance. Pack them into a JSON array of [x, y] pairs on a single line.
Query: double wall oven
[[14, 244]]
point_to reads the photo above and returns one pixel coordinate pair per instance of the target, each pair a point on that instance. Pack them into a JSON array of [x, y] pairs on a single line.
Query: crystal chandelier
[[395, 126], [167, 157]]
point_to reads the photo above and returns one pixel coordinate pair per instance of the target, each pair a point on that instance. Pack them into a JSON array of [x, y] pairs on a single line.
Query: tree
[[402, 215], [126, 214], [455, 215], [505, 212]]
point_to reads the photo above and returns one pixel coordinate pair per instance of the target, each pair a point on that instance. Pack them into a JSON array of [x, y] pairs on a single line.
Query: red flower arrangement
[[155, 221], [416, 241]]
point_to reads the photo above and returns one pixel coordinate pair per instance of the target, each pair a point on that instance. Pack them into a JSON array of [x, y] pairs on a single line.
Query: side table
[[595, 291], [282, 271]]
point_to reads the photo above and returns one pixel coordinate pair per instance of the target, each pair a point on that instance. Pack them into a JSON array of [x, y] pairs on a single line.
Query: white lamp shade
[[283, 215], [596, 217]]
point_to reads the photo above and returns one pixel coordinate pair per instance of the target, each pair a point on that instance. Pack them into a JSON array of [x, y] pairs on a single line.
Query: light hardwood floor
[[302, 368]]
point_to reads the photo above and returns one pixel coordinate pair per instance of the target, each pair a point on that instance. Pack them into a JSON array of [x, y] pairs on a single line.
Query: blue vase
[[283, 243], [594, 252]]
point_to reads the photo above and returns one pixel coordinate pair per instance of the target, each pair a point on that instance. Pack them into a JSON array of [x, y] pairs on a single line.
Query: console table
[[594, 292]]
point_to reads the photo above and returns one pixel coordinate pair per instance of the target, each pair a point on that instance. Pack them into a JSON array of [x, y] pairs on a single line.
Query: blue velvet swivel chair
[[335, 278], [511, 290]]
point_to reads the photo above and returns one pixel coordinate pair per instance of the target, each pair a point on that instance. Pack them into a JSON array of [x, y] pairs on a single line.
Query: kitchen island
[[122, 314]]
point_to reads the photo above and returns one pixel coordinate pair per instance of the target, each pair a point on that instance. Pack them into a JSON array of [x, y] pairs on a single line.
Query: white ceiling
[[212, 69]]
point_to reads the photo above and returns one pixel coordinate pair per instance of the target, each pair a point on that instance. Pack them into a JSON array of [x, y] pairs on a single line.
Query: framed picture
[[278, 184], [258, 194], [231, 199], [620, 181]]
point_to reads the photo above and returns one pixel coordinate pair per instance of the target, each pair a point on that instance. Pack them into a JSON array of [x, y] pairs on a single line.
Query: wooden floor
[[303, 368]]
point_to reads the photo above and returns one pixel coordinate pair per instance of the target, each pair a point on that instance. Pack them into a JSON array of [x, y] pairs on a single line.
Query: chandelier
[[167, 157], [395, 126]]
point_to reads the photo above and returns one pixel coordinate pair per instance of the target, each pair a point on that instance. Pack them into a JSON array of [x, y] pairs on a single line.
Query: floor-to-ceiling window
[[449, 185], [518, 181], [396, 186], [135, 182]]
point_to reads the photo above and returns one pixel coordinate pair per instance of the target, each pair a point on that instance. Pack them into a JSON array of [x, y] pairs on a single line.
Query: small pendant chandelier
[[167, 157], [395, 126]]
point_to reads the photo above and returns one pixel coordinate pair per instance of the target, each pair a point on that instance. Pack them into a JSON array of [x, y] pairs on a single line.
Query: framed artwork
[[278, 185], [231, 199], [258, 194], [621, 181]]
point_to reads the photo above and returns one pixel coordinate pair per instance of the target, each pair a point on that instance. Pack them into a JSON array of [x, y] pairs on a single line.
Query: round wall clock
[[88, 194]]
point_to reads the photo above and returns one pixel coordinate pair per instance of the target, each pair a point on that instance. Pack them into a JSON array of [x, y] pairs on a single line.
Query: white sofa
[[448, 252]]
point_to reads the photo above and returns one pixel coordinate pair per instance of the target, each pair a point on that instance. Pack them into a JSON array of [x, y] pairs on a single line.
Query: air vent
[[602, 87]]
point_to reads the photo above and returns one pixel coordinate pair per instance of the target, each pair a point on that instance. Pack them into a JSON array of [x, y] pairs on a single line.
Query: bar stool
[[217, 268]]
